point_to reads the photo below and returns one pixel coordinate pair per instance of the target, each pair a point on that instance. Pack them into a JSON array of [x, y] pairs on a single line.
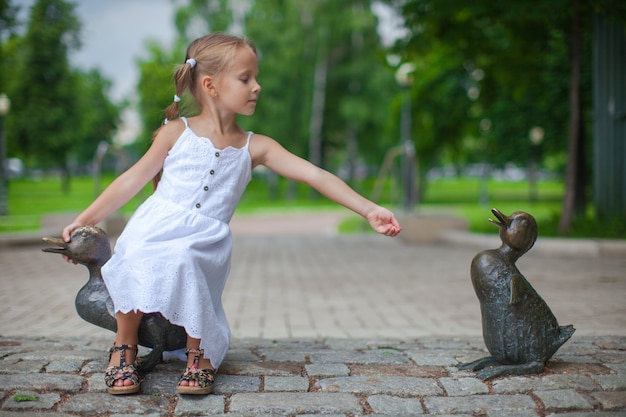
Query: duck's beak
[[62, 245], [503, 222]]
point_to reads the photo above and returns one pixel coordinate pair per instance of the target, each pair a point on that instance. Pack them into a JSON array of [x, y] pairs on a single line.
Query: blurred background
[[426, 106]]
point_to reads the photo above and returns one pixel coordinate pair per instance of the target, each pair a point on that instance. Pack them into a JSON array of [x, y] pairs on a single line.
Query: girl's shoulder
[[170, 132], [259, 142], [261, 146]]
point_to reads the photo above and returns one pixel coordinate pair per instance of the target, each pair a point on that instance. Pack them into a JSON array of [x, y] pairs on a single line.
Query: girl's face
[[237, 88]]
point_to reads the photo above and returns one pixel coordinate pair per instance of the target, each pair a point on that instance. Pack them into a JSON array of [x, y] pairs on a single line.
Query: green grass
[[29, 200]]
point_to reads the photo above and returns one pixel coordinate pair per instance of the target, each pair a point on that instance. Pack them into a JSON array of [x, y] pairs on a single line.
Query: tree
[[8, 22], [59, 114], [521, 50], [44, 103]]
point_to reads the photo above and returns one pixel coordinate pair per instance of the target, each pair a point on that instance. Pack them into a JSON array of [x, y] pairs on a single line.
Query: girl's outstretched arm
[[266, 151], [128, 184]]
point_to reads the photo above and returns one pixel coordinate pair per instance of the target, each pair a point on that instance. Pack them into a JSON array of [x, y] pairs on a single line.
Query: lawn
[[469, 198]]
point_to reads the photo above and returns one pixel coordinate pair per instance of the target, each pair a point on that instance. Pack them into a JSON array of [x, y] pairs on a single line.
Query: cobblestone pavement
[[336, 377], [324, 324]]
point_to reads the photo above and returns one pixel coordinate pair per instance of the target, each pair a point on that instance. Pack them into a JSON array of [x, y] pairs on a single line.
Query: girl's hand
[[383, 221], [67, 236]]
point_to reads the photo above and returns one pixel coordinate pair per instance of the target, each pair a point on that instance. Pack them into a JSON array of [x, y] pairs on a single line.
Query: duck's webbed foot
[[502, 370], [148, 362], [478, 364]]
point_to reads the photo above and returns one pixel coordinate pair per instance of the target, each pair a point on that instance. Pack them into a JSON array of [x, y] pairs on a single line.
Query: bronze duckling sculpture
[[519, 329], [90, 246]]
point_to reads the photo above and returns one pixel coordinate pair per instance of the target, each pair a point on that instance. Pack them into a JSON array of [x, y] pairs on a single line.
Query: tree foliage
[[59, 114], [527, 64], [322, 70]]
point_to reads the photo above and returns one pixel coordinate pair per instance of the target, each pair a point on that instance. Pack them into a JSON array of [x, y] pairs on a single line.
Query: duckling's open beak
[[504, 220], [62, 245]]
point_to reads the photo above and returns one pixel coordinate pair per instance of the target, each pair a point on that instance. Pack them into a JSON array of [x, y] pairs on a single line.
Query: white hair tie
[[176, 98], [165, 121], [191, 62]]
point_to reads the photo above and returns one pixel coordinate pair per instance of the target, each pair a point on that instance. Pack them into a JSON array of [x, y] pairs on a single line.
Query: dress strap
[[184, 119], [249, 137]]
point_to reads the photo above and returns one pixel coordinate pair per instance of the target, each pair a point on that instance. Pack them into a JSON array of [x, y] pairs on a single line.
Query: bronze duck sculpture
[[90, 246], [519, 329]]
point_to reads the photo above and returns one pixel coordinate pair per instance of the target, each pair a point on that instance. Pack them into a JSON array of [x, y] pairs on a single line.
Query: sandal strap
[[122, 349], [115, 348], [196, 358]]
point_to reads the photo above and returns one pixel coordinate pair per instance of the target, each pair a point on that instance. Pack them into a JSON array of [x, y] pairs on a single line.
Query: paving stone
[[566, 399], [463, 386], [611, 400], [437, 357], [619, 368], [93, 404], [58, 355], [325, 415], [231, 384], [516, 413], [15, 366], [398, 370], [611, 382], [65, 366], [368, 357], [295, 403], [199, 405], [286, 383], [95, 383], [66, 383], [43, 401], [98, 365], [611, 357], [387, 404], [240, 355], [283, 356], [159, 383], [327, 369], [136, 415], [391, 385], [585, 366], [544, 383], [475, 404], [262, 368]]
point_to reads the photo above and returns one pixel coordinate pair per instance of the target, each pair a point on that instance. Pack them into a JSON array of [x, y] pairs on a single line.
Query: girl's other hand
[[383, 221]]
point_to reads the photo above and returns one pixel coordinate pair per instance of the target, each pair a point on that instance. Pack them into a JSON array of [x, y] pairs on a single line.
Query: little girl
[[174, 254]]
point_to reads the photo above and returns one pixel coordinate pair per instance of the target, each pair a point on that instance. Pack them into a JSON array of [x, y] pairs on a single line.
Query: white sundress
[[173, 257]]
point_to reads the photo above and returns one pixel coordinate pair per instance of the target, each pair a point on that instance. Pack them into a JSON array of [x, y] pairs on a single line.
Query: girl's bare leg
[[127, 328], [193, 343]]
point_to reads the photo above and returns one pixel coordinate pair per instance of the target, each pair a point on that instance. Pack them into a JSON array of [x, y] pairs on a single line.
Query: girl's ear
[[208, 86]]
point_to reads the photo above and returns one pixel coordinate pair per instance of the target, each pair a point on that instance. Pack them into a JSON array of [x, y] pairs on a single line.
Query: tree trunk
[[319, 100], [317, 110], [574, 198]]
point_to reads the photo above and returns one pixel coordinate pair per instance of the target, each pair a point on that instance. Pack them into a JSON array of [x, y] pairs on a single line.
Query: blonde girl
[[173, 257]]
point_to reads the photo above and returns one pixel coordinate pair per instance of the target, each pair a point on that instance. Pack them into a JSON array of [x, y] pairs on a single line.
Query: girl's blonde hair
[[208, 55]]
